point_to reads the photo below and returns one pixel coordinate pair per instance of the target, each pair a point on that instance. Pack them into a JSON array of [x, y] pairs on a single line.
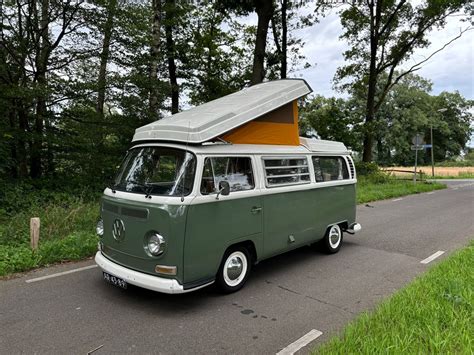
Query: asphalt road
[[285, 298]]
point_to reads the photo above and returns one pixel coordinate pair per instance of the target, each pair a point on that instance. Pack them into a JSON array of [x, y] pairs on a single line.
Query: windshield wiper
[[144, 187]]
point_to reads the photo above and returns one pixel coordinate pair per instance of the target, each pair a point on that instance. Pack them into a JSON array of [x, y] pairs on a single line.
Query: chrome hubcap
[[334, 236], [234, 267]]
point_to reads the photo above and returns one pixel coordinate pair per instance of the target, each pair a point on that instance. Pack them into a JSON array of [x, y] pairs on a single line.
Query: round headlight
[[155, 244], [99, 229]]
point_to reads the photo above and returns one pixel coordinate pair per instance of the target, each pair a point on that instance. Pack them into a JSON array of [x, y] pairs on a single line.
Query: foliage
[[432, 315], [20, 258], [408, 109], [333, 119], [382, 36], [68, 216]]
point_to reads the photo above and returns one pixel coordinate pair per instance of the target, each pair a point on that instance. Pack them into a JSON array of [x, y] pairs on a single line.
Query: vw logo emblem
[[118, 230]]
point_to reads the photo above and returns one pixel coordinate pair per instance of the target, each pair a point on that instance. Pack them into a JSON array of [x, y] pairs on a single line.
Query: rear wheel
[[234, 270], [331, 243]]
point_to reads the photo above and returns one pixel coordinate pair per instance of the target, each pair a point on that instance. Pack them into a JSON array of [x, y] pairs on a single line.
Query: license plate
[[114, 280]]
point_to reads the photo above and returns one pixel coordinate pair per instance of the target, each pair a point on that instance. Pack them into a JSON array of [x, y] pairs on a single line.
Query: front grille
[[125, 211], [109, 207], [132, 212]]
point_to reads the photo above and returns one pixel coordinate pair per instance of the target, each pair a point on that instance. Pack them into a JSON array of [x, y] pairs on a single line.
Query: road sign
[[418, 140], [428, 145], [417, 147]]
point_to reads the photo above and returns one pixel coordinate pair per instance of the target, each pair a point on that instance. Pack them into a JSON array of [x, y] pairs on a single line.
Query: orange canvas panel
[[277, 127]]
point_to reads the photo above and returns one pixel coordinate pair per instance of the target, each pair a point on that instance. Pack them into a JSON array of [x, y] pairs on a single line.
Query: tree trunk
[[170, 52], [284, 39], [22, 141], [104, 58], [41, 81], [264, 9], [372, 86], [154, 59]]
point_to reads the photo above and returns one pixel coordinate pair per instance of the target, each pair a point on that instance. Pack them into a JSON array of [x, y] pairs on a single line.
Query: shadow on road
[[166, 305]]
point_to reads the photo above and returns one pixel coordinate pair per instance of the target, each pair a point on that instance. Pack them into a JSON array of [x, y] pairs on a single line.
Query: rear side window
[[237, 171], [286, 171], [330, 169]]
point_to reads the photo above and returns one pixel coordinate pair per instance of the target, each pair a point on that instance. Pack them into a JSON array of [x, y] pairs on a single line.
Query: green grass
[[461, 175], [67, 228], [369, 190], [432, 315]]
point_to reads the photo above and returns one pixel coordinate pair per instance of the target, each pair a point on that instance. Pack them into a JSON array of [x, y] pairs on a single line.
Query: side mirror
[[224, 189]]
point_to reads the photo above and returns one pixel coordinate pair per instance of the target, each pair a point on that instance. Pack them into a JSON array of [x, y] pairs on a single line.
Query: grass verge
[[368, 190], [67, 228], [432, 315]]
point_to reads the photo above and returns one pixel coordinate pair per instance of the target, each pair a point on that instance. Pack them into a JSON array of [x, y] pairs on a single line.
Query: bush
[[364, 169], [371, 173]]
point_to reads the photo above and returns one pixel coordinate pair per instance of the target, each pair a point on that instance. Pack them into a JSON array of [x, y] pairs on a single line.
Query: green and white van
[[188, 209]]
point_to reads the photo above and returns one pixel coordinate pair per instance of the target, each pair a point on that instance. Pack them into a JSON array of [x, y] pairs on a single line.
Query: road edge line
[[432, 257], [60, 274], [300, 343]]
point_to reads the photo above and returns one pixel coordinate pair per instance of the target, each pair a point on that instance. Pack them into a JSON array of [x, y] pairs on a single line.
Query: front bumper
[[154, 283]]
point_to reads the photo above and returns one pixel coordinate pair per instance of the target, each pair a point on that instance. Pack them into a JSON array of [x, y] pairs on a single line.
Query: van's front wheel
[[332, 241], [234, 270]]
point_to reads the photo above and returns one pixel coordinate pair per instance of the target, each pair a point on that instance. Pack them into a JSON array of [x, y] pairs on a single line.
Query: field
[[440, 171], [432, 315]]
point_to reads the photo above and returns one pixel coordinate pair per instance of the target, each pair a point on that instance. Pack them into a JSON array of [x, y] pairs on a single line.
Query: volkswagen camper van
[[203, 195]]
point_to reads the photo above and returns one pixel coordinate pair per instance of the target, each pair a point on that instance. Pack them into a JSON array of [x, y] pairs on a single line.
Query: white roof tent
[[213, 119], [265, 114]]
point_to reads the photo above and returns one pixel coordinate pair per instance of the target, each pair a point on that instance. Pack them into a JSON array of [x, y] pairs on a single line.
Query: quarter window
[[287, 171], [330, 169], [237, 171]]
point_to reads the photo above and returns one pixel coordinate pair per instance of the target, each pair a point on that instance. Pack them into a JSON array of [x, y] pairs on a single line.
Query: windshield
[[157, 171]]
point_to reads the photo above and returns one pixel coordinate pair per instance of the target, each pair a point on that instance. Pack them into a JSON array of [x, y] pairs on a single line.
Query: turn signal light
[[165, 270]]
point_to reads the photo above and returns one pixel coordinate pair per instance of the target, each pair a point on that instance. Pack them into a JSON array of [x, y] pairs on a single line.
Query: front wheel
[[234, 270], [331, 243]]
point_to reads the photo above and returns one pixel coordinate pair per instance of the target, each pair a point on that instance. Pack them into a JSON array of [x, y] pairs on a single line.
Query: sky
[[449, 70]]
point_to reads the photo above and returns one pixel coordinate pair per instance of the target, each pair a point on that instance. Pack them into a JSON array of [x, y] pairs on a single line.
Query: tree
[[409, 109], [287, 18], [154, 59], [333, 119], [383, 35], [216, 62], [264, 10]]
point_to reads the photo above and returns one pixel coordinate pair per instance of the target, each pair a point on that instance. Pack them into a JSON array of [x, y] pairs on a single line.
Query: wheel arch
[[248, 244]]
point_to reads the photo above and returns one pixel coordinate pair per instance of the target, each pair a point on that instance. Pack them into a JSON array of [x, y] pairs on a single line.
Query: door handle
[[255, 209]]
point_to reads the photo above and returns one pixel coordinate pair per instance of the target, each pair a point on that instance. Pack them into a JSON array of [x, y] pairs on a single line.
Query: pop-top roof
[[214, 118]]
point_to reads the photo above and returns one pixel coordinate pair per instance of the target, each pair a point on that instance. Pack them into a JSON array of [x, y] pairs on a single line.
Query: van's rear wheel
[[234, 270], [332, 241]]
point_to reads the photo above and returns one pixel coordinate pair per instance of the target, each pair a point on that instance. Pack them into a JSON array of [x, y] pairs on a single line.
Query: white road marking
[[61, 273], [455, 188], [397, 199], [432, 257], [301, 342], [430, 193]]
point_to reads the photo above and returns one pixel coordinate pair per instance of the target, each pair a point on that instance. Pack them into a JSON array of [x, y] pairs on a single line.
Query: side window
[[329, 169], [286, 171], [237, 171]]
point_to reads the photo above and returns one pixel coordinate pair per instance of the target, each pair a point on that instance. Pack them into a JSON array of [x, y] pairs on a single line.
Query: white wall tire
[[234, 270], [332, 241]]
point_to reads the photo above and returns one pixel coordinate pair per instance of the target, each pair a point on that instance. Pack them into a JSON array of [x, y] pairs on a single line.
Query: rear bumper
[[154, 283], [354, 228]]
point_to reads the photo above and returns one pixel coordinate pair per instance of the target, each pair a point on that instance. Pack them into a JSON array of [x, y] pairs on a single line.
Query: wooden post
[[34, 232]]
